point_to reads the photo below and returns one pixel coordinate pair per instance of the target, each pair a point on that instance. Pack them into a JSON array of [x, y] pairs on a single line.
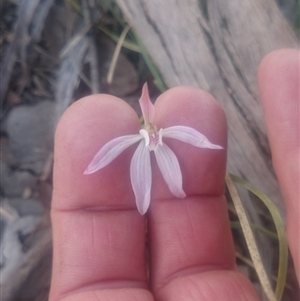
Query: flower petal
[[170, 169], [141, 177], [189, 135], [146, 105], [110, 151]]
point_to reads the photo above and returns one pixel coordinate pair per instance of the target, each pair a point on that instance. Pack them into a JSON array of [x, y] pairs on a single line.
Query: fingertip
[[278, 80], [83, 129], [92, 108], [275, 70], [277, 58], [192, 105], [195, 108]]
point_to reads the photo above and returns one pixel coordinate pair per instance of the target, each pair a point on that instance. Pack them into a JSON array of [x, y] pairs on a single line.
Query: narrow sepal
[[141, 177], [189, 135], [146, 105], [170, 169], [110, 151]]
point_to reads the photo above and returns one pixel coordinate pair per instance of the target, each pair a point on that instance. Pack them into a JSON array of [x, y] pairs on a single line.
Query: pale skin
[[99, 237]]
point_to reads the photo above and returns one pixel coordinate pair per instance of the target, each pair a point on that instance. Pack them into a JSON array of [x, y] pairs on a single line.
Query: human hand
[[99, 237]]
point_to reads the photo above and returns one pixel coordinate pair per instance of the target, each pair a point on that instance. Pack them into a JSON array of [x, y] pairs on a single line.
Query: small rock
[[13, 98], [15, 183], [27, 206], [44, 193], [16, 262], [31, 131]]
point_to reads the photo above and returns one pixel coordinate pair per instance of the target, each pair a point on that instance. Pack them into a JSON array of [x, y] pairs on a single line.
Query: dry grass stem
[[249, 237], [116, 55]]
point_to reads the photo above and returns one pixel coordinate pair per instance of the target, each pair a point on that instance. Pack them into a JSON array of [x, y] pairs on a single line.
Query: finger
[[191, 246], [278, 79], [98, 234]]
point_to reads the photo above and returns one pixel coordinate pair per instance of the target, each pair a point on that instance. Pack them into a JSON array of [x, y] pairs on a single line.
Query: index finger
[[192, 254], [98, 236]]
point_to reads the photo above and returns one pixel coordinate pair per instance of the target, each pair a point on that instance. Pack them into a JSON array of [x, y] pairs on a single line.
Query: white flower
[[150, 139]]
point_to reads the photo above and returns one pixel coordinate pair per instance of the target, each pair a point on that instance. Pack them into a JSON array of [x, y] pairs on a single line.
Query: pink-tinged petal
[[110, 151], [146, 105], [189, 135], [141, 177], [170, 169]]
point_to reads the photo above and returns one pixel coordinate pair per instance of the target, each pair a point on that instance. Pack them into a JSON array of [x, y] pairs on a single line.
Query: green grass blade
[[116, 54], [157, 78], [138, 46], [126, 43], [280, 228], [268, 233]]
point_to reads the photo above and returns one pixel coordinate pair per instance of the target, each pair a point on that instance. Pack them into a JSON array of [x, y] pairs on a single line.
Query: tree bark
[[217, 45]]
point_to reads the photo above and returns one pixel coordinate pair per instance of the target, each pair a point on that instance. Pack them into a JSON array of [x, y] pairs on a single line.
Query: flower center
[[153, 138]]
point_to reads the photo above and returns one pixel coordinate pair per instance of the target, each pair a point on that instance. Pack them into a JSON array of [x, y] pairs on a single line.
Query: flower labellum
[[150, 139]]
